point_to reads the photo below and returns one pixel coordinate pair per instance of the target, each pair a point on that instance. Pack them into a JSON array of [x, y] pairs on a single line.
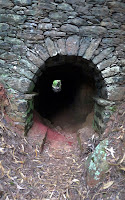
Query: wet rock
[[97, 164]]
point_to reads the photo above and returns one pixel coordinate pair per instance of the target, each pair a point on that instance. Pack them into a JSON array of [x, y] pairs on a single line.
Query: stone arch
[[85, 49]]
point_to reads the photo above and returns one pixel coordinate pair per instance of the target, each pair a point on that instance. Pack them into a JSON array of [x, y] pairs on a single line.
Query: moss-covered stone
[[97, 164]]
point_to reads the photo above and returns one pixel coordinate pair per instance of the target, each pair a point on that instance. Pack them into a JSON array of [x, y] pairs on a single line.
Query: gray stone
[[83, 10], [2, 62], [21, 84], [12, 19], [19, 49], [23, 2], [42, 52], [122, 62], [115, 80], [59, 16], [102, 55], [58, 1], [92, 30], [91, 49], [97, 164], [65, 7], [4, 27], [61, 44], [109, 24], [77, 21], [46, 6], [28, 35], [35, 59], [23, 71], [13, 41], [9, 56], [85, 42], [72, 45], [79, 2], [100, 11], [111, 41], [103, 102], [116, 93], [96, 1], [54, 34], [5, 46], [68, 28], [45, 26], [6, 4], [50, 46], [45, 20], [107, 63], [110, 71], [33, 68]]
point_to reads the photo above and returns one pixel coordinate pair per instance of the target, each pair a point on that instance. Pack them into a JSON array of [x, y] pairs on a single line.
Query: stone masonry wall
[[32, 31]]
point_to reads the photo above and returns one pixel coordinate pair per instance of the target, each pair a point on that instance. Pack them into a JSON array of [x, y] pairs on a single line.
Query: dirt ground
[[56, 169]]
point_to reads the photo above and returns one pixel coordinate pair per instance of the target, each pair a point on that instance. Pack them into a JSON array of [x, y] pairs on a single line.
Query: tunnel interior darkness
[[75, 97]]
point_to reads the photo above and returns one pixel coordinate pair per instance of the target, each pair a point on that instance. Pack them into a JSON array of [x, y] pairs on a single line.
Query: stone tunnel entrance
[[70, 107]]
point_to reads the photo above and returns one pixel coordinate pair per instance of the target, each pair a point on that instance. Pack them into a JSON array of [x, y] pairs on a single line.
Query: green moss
[[112, 108], [29, 118], [94, 126], [97, 162]]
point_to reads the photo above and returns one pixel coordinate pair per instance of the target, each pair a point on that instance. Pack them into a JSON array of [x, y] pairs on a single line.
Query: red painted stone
[[39, 130]]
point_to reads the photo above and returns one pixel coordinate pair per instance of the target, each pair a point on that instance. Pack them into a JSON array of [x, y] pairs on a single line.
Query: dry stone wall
[[32, 31]]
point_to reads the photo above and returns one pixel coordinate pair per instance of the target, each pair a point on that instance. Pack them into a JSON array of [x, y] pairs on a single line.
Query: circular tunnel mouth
[[73, 103]]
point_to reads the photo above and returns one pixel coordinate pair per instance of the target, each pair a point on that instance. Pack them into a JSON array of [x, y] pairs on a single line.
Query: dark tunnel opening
[[75, 100]]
